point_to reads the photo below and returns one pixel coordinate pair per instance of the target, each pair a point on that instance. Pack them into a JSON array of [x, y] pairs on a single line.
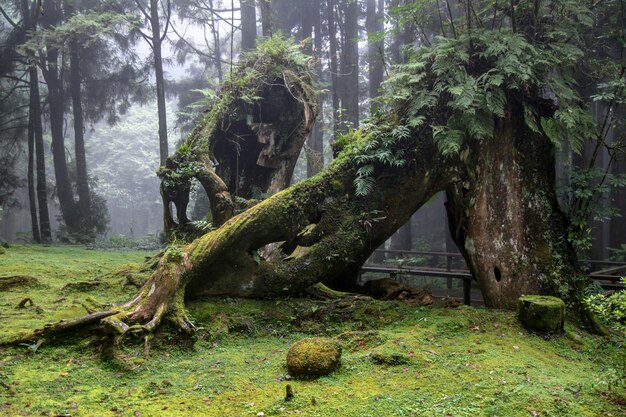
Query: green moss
[[542, 313], [464, 362], [313, 357]]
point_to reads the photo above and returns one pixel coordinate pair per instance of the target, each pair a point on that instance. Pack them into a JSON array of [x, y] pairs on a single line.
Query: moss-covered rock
[[313, 357], [541, 313]]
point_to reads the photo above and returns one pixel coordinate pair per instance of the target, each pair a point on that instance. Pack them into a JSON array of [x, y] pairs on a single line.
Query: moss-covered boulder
[[541, 313], [313, 357]]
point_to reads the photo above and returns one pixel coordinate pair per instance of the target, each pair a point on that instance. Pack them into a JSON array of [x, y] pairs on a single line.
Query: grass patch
[[458, 362]]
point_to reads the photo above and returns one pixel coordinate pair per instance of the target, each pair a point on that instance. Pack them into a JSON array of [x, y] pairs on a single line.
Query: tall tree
[[349, 77], [153, 12], [316, 142], [248, 25], [375, 47], [333, 65]]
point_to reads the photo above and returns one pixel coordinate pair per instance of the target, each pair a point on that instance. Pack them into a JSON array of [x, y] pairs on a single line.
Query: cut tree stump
[[541, 313]]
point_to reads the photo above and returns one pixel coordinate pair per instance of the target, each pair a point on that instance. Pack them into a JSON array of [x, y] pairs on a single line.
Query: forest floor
[[431, 361]]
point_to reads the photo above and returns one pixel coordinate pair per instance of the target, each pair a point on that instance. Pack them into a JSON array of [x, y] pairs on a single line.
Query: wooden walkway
[[605, 273]]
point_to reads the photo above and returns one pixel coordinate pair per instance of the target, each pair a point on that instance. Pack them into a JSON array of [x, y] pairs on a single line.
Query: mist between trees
[[95, 95]]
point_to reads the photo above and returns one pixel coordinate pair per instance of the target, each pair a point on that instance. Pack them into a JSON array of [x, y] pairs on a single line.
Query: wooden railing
[[608, 278]]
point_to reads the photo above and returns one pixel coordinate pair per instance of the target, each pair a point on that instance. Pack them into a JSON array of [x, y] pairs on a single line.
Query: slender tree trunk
[[248, 25], [395, 42], [160, 79], [41, 230], [266, 17], [82, 181], [217, 50], [350, 66], [42, 189], [332, 35], [32, 198], [375, 48], [29, 24], [316, 142]]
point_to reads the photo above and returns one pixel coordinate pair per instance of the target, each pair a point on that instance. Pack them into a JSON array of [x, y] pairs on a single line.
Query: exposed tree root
[[16, 281], [62, 326], [22, 304], [81, 285]]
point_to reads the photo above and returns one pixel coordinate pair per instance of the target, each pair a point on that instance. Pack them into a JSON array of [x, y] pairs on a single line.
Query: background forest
[[95, 95]]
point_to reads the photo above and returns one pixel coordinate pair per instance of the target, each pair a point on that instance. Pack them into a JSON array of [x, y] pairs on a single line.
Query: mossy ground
[[458, 362]]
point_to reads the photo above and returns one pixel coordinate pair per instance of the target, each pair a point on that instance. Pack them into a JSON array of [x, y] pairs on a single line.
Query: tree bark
[[375, 48], [32, 199], [334, 89], [56, 104], [31, 15], [505, 218], [315, 143], [82, 180], [248, 25], [155, 25], [42, 190], [266, 17], [350, 67]]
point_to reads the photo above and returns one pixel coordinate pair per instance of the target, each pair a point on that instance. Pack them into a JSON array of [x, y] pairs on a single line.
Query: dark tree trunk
[[155, 25], [350, 67], [375, 48], [56, 105], [42, 190], [248, 25], [505, 218], [82, 181], [332, 35], [29, 24], [31, 17], [32, 198], [266, 17]]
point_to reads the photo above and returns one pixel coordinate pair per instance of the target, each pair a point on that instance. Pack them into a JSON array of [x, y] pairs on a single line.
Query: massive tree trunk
[[505, 218], [319, 229], [502, 208]]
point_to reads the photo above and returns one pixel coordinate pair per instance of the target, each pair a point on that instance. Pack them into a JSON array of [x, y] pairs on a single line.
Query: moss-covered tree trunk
[[505, 218], [246, 146], [319, 229]]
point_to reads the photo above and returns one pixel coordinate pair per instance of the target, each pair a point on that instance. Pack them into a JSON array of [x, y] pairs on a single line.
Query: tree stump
[[541, 313], [313, 357]]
